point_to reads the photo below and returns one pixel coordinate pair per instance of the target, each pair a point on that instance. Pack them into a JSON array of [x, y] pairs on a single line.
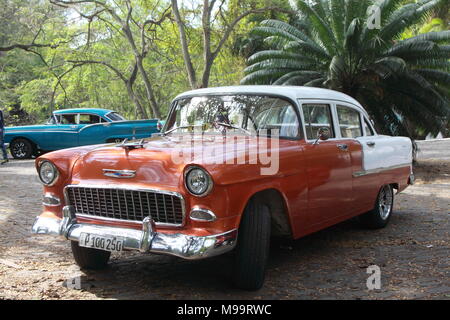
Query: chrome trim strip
[[146, 240], [38, 130], [132, 188], [378, 170], [113, 173], [99, 218]]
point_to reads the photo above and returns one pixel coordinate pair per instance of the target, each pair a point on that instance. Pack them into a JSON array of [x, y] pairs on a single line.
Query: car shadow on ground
[[175, 278]]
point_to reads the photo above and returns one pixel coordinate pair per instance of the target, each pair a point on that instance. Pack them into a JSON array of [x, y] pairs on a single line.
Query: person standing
[[2, 140]]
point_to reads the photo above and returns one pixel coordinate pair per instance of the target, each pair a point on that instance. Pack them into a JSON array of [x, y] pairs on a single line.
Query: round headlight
[[198, 181], [48, 173]]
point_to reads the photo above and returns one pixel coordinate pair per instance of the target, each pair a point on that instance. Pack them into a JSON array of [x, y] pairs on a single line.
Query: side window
[[317, 116], [89, 119], [280, 116], [68, 119], [349, 122], [368, 129]]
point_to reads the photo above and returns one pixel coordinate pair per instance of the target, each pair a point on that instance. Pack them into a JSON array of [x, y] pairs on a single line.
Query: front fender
[[10, 136]]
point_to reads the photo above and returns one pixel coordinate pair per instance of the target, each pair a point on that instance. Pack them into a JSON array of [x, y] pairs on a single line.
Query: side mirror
[[323, 134]]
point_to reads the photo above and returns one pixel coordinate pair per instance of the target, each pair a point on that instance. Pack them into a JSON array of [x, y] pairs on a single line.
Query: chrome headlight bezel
[[209, 180], [55, 173]]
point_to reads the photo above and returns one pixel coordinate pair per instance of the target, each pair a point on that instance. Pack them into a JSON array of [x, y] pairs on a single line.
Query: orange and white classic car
[[232, 167]]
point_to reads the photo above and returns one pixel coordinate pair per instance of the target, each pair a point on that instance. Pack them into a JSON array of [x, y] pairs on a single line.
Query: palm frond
[[403, 84], [405, 17], [298, 77], [323, 29], [338, 19]]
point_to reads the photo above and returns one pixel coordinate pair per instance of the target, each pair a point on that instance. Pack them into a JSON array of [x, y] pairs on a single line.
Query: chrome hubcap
[[385, 202], [20, 149]]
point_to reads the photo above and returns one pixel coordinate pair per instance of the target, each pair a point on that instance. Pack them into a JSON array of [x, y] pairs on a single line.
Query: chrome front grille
[[127, 204]]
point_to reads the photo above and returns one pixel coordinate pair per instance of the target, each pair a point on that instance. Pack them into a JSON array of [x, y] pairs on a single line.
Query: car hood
[[159, 162]]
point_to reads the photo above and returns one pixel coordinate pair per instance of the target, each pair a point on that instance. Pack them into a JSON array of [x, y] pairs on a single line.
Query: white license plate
[[113, 244]]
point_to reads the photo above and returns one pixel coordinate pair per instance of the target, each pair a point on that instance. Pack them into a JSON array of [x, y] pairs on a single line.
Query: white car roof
[[292, 92]]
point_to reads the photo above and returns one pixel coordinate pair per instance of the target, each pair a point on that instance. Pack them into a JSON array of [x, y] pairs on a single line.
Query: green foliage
[[403, 83], [327, 45]]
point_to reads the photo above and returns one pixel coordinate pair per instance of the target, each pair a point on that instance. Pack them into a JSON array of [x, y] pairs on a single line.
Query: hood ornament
[[132, 145], [120, 174]]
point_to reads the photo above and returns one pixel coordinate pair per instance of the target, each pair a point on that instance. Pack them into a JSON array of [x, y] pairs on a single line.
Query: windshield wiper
[[183, 127], [233, 127]]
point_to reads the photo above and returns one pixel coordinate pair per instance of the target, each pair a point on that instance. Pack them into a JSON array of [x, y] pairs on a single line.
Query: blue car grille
[[127, 204]]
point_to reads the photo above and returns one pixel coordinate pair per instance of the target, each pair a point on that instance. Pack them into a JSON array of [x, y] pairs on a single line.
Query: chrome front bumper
[[145, 240]]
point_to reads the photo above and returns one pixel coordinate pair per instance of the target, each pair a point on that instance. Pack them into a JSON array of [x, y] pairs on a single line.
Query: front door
[[64, 134], [328, 166]]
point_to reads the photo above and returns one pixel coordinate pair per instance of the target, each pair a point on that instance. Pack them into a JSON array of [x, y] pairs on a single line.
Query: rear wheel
[[252, 249], [22, 148], [379, 216], [88, 258]]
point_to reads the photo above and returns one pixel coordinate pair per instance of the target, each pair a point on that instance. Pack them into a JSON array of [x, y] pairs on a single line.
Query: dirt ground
[[412, 253]]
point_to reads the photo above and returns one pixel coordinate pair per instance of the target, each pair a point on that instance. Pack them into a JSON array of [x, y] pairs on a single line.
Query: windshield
[[250, 114], [51, 120]]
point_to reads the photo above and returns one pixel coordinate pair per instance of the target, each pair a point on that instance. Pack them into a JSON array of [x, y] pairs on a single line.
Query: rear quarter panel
[[101, 132], [387, 152]]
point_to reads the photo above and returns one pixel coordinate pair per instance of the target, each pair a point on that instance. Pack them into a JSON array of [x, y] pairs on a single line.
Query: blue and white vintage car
[[76, 127]]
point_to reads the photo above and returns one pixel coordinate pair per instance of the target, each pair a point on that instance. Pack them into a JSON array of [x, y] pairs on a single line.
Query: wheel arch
[[275, 200], [33, 143]]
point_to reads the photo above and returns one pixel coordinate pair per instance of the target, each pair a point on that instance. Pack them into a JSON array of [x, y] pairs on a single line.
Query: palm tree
[[404, 84]]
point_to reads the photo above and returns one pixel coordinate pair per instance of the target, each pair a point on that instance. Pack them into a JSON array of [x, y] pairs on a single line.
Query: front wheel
[[21, 149], [252, 249], [379, 216], [88, 258]]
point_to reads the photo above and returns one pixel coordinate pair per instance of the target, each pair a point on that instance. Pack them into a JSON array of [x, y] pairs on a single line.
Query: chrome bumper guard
[[411, 179], [147, 240]]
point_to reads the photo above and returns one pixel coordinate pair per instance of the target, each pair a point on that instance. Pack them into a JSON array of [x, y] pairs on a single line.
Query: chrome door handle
[[342, 146], [370, 143]]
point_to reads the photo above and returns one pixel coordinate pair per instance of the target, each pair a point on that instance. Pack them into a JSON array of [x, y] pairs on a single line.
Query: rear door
[[357, 131], [329, 168]]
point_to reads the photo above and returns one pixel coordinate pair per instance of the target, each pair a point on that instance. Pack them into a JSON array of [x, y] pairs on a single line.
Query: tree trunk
[[138, 59], [207, 72], [148, 89], [184, 46], [142, 112]]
